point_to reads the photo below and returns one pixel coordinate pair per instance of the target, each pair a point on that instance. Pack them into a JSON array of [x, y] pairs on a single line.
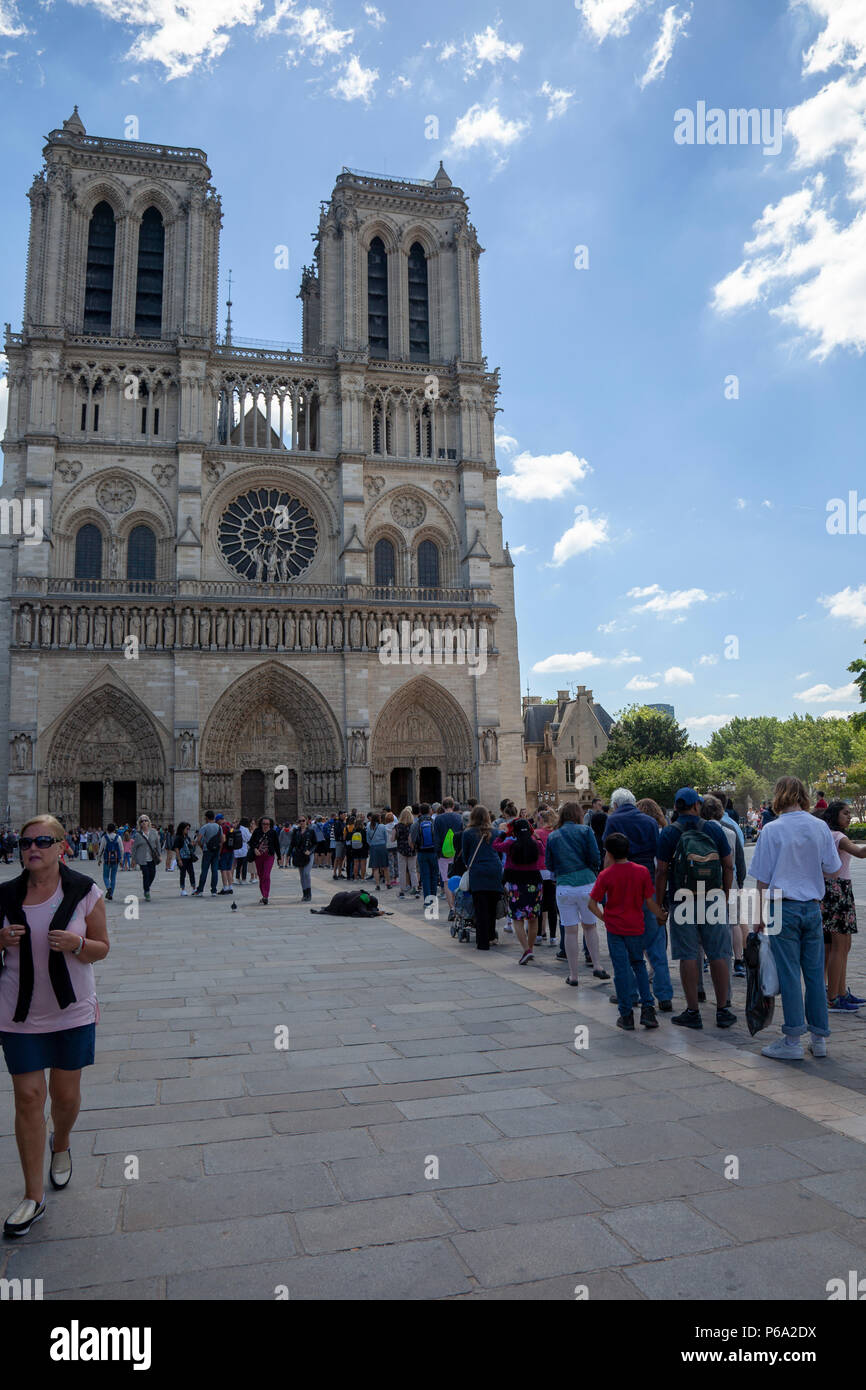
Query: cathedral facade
[[242, 577]]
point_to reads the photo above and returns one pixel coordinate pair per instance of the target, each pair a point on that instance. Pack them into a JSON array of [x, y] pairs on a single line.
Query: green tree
[[638, 733], [752, 740], [657, 777], [808, 747]]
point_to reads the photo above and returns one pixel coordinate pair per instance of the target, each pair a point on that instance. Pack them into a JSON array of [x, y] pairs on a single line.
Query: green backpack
[[448, 845], [696, 860]]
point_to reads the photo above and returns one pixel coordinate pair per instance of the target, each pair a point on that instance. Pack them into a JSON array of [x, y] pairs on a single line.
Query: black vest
[[75, 888]]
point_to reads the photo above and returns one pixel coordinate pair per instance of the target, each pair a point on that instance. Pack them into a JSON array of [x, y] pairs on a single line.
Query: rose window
[[267, 535]]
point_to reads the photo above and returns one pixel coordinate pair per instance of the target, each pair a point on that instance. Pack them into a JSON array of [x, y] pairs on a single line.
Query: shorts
[[445, 868], [67, 1050], [227, 860], [689, 938], [572, 902], [339, 851], [378, 857]]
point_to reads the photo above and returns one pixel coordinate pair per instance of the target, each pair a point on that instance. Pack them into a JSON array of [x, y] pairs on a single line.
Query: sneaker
[[19, 1221], [648, 1017], [740, 969], [626, 1021], [147, 897], [108, 897], [665, 1006], [818, 1046], [601, 974], [842, 1005], [702, 998], [570, 981], [855, 998], [198, 893], [60, 1168], [527, 955], [724, 1018], [560, 955], [184, 893], [401, 894], [689, 1018], [551, 941], [784, 1051]]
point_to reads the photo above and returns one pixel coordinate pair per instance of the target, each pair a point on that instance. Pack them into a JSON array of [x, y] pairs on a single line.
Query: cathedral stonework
[[265, 577]]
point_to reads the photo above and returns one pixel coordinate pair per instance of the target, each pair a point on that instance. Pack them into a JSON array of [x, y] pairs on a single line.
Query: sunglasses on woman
[[40, 841]]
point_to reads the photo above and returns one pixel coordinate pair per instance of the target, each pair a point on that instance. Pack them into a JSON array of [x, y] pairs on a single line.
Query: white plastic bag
[[769, 973]]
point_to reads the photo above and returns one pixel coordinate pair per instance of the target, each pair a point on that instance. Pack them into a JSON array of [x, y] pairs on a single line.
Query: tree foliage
[[639, 733]]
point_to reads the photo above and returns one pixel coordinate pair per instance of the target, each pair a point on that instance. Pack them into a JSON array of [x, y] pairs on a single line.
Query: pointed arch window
[[148, 288], [428, 565], [99, 278], [141, 554], [385, 562], [419, 305], [424, 433], [88, 552], [377, 298]]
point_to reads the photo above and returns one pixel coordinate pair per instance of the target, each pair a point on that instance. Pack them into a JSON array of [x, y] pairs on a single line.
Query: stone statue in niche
[[321, 632], [204, 629], [488, 745], [222, 628], [81, 626], [45, 628], [290, 632], [116, 628], [337, 632], [168, 629], [306, 632], [238, 629], [256, 631], [272, 628], [150, 629], [355, 631], [372, 632], [185, 749], [99, 628], [25, 628], [358, 748], [186, 628], [22, 747]]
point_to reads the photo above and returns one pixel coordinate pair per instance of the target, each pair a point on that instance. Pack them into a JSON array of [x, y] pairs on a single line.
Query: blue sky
[[656, 508]]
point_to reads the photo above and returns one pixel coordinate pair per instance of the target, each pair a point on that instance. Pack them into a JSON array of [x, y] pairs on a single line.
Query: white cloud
[[181, 35], [448, 51], [676, 675], [488, 47], [541, 477], [615, 625], [400, 84], [310, 28], [802, 676], [604, 17], [584, 534], [487, 127], [659, 601], [357, 82], [765, 503], [641, 683], [807, 260], [849, 604], [506, 442], [558, 100], [709, 660], [801, 616], [835, 714], [730, 697], [10, 24], [820, 694], [374, 16], [707, 723], [578, 661], [673, 25], [521, 550], [741, 504]]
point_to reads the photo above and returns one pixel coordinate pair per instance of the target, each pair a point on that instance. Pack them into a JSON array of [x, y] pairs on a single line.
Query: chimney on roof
[[563, 697], [530, 700]]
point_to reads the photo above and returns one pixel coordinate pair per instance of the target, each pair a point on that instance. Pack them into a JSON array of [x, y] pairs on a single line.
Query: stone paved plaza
[[308, 1168]]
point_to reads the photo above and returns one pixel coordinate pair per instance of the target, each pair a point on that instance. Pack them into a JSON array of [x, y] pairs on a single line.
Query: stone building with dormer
[[262, 579], [562, 739]]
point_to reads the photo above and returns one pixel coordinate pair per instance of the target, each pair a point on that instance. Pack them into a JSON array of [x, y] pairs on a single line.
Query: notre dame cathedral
[[224, 534]]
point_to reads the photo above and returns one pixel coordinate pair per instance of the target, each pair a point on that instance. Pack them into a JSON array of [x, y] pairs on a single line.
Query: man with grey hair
[[642, 834]]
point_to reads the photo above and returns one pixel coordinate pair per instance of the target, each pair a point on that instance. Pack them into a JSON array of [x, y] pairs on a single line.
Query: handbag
[[463, 886]]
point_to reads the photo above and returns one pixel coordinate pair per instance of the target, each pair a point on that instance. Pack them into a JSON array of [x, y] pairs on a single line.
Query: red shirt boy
[[625, 887]]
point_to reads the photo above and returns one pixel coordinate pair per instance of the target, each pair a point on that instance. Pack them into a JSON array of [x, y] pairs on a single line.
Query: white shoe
[[784, 1051], [818, 1046], [184, 893]]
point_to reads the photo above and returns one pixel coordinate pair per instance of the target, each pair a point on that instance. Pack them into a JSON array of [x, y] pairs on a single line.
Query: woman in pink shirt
[[52, 930], [524, 860]]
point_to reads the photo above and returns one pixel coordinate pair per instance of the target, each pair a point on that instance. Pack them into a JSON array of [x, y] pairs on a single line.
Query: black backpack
[[113, 850], [237, 840]]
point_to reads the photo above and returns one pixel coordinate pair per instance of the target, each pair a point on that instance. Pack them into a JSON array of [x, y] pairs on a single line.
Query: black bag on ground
[[759, 1006], [350, 904]]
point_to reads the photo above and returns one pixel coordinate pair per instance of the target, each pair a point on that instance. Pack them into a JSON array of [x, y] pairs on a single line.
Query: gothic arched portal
[[273, 730], [422, 747]]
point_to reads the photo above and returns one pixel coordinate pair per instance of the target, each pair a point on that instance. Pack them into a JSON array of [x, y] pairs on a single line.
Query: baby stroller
[[464, 911]]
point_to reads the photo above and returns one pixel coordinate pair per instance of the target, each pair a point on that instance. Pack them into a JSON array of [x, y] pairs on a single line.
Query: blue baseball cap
[[688, 795], [219, 816]]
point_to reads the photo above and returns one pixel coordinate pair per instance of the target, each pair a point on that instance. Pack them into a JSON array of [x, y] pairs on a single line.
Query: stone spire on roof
[[73, 125], [441, 180]]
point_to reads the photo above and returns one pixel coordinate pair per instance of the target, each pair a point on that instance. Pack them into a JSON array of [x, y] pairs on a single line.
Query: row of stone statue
[[166, 628], [63, 799], [320, 789]]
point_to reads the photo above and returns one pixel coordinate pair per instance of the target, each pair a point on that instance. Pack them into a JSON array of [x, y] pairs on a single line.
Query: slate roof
[[537, 716]]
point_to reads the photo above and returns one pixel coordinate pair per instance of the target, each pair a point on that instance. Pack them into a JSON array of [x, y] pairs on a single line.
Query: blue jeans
[[428, 868], [798, 950], [210, 859], [109, 877], [305, 874], [629, 968], [655, 945]]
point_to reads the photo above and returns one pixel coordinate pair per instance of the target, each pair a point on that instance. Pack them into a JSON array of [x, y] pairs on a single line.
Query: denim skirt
[[67, 1050]]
